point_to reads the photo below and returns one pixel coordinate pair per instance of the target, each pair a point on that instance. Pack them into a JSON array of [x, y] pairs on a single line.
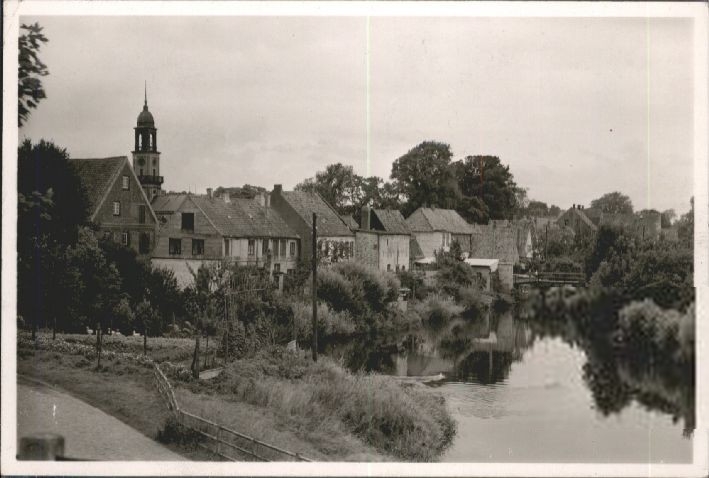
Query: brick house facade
[[117, 202]]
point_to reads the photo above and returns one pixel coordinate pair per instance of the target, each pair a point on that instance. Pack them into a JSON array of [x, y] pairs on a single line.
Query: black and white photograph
[[311, 238]]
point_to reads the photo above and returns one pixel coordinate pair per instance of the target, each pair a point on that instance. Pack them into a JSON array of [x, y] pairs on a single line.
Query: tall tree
[[614, 203], [51, 206], [336, 185], [667, 217], [537, 209], [29, 87], [486, 178], [424, 178]]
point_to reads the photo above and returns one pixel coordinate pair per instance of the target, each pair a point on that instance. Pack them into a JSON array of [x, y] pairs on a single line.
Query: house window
[[226, 247], [141, 214], [388, 267], [290, 272], [188, 221], [264, 247], [125, 238], [116, 208], [126, 183], [141, 172], [154, 172], [252, 246], [403, 268], [276, 268], [175, 247], [283, 248], [144, 243], [292, 248], [197, 247]]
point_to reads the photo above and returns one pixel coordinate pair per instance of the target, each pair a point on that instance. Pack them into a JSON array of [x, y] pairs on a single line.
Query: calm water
[[520, 394]]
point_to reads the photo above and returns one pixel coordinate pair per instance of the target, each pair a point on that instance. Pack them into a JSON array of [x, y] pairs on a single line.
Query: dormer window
[[188, 221], [126, 183]]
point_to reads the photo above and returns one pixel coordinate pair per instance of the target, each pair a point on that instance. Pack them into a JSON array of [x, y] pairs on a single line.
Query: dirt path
[[88, 432]]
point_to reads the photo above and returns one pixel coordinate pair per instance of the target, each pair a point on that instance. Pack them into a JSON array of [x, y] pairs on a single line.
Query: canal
[[522, 392]]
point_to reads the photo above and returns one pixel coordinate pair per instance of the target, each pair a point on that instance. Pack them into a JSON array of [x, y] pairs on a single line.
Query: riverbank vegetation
[[635, 321]]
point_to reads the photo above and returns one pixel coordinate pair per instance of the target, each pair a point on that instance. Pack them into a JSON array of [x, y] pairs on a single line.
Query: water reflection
[[483, 352]]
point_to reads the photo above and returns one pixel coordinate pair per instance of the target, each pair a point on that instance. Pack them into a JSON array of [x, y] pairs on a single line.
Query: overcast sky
[[575, 107]]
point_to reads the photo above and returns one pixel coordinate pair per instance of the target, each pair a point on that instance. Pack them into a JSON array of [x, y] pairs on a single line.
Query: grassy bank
[[319, 410], [325, 403], [120, 388]]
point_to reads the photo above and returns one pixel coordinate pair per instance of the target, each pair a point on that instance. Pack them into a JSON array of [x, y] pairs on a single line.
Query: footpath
[[88, 432]]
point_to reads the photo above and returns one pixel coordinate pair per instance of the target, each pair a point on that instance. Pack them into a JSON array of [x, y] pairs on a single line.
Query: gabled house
[[198, 229], [497, 242], [187, 237], [383, 240], [436, 229], [117, 202], [577, 219], [335, 241], [253, 232]]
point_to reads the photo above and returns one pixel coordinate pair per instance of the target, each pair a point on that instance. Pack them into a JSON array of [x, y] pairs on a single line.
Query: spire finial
[[146, 93]]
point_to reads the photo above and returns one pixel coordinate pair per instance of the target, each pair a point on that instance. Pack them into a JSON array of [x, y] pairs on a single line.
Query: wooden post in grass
[[315, 288], [195, 359], [98, 344]]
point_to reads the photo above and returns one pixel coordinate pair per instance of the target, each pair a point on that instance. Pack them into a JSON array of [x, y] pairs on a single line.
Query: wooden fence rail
[[222, 438]]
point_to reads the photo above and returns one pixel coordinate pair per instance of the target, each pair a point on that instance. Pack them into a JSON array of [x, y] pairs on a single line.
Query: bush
[[436, 312], [173, 431], [330, 322], [471, 299], [406, 421]]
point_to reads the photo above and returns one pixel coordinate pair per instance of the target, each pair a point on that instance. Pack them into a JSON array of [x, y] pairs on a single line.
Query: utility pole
[[315, 291]]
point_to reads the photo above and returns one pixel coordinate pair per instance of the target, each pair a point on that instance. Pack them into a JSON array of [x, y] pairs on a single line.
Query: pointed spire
[[146, 93]]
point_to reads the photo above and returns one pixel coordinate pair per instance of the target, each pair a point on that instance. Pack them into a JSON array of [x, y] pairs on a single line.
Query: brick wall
[[128, 221], [366, 248], [171, 227]]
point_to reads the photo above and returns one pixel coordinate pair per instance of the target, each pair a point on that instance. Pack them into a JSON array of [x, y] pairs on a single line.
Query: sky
[[577, 107]]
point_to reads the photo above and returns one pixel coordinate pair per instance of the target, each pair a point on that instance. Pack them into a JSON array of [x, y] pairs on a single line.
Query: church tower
[[146, 157]]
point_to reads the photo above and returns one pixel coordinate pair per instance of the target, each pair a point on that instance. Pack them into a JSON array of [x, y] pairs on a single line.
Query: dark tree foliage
[[48, 184], [614, 203], [51, 206], [491, 182], [424, 177], [29, 87]]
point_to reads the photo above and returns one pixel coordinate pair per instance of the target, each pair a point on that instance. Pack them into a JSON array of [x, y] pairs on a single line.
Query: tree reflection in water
[[483, 351]]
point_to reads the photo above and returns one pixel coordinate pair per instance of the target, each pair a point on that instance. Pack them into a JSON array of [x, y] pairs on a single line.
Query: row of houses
[[273, 229]]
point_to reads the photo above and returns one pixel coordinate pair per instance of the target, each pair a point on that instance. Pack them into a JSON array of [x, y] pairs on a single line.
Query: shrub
[[173, 431], [408, 422], [471, 300], [436, 312]]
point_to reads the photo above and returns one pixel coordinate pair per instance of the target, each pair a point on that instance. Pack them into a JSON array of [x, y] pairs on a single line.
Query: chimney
[[263, 199], [227, 197], [277, 189], [366, 212], [209, 193]]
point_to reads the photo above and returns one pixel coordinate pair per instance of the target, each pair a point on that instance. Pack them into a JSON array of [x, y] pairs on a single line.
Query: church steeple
[[146, 157]]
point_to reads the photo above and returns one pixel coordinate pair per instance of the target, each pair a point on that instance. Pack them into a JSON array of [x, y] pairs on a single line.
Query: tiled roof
[[168, 202], [431, 219], [97, 175], [243, 218], [351, 223], [392, 221], [490, 242], [415, 251], [306, 203]]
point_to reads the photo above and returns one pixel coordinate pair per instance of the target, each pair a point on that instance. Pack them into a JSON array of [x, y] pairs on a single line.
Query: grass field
[[319, 410]]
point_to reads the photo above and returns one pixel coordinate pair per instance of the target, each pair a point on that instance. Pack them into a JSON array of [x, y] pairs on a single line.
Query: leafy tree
[[336, 185], [51, 206], [554, 211], [123, 318], [98, 290], [613, 203], [424, 178], [667, 217], [44, 169], [685, 227], [29, 88], [537, 209], [486, 178]]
